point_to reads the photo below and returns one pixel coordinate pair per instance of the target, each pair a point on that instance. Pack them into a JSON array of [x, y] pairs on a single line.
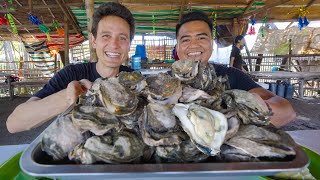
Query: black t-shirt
[[237, 78], [235, 52], [72, 72]]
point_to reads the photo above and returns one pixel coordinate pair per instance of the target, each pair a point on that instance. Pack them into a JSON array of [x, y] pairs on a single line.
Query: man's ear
[[93, 40]]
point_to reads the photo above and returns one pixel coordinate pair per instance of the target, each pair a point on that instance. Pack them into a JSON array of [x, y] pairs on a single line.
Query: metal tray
[[37, 163]]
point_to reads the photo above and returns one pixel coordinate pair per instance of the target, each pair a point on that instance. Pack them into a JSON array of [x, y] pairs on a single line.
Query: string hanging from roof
[[264, 20], [59, 29], [303, 13], [252, 30], [214, 25], [153, 25], [3, 21], [43, 28]]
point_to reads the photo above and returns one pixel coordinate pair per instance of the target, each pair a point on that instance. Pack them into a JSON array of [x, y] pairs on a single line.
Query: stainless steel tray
[[35, 162]]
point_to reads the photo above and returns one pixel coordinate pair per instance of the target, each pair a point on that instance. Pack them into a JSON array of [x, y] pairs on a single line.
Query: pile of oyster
[[188, 116]]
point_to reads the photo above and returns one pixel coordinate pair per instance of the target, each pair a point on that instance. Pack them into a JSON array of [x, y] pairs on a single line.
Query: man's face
[[112, 43], [195, 41]]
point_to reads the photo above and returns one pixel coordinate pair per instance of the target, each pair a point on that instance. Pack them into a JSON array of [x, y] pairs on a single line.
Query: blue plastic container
[[141, 51], [136, 62], [281, 89], [289, 91], [273, 88]]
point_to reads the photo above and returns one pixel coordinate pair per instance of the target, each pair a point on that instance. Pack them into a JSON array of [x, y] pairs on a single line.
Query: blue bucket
[[281, 90], [273, 88], [289, 91], [141, 51]]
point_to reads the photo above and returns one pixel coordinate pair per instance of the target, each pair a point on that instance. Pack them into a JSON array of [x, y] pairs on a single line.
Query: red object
[[3, 21], [252, 31]]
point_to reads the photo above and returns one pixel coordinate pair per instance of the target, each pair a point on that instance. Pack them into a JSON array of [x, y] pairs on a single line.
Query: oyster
[[94, 119], [132, 80], [61, 137], [249, 110], [163, 89], [184, 152], [253, 143], [119, 147], [200, 97], [81, 155], [158, 126], [185, 70], [206, 128], [116, 98]]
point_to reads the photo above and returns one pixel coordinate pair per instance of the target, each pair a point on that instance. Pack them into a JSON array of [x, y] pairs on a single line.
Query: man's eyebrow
[[184, 36], [201, 34]]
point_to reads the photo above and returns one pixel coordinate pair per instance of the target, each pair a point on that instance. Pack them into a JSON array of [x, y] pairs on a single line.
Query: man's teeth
[[194, 53], [110, 54]]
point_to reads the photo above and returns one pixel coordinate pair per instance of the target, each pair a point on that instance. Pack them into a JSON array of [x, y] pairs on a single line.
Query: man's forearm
[[34, 113], [231, 61], [283, 112]]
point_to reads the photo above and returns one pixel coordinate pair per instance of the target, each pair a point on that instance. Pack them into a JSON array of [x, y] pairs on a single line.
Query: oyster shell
[[94, 119], [185, 70], [119, 147], [132, 80], [249, 110], [253, 143], [158, 126], [61, 137], [163, 89], [182, 153], [116, 98], [81, 155], [206, 128]]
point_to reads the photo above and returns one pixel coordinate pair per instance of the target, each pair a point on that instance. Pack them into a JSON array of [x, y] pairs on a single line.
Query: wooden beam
[[18, 3], [44, 2], [265, 8], [183, 3], [248, 7], [66, 41], [89, 12], [30, 5], [310, 3], [67, 15]]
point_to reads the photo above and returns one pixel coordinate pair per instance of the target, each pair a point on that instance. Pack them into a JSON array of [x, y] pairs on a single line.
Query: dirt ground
[[308, 117]]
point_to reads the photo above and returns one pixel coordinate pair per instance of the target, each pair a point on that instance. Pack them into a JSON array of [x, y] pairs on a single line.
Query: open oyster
[[116, 98], [253, 143], [94, 119], [61, 137], [119, 147], [158, 126], [132, 80], [163, 89], [249, 110], [206, 128]]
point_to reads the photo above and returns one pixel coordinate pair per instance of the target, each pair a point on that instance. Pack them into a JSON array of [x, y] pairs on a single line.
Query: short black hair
[[238, 38], [194, 16], [112, 9]]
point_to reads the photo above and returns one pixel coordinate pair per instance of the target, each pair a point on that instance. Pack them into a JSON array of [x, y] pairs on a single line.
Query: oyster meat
[[206, 128], [249, 110], [185, 70], [163, 89], [61, 137]]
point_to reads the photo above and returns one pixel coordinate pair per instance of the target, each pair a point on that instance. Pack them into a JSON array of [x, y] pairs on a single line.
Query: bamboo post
[[55, 63], [66, 41], [89, 11], [290, 53]]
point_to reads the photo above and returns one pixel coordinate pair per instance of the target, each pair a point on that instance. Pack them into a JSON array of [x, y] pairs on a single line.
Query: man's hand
[[76, 88]]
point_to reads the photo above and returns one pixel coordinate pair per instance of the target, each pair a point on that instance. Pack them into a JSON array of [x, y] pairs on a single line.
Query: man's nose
[[115, 42], [194, 42]]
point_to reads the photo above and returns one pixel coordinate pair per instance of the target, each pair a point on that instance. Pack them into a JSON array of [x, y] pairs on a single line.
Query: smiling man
[[112, 31], [194, 41]]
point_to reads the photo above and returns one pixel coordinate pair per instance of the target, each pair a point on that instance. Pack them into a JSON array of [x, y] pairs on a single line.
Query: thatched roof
[[151, 15]]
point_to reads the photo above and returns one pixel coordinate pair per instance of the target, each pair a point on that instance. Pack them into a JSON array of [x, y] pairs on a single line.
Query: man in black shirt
[[112, 31], [235, 56], [194, 41]]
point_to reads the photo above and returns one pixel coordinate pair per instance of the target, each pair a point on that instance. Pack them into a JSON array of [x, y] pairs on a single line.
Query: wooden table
[[281, 75]]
